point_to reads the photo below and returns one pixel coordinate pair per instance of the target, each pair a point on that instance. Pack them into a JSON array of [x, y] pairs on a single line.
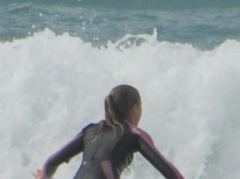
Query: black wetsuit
[[108, 151]]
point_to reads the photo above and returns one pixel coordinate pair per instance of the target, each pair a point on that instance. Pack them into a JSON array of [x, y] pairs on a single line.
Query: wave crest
[[190, 100]]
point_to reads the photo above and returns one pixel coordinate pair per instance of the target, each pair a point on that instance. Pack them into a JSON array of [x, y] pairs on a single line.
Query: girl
[[108, 146]]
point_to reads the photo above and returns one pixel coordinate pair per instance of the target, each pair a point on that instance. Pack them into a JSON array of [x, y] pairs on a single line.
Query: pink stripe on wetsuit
[[162, 164]]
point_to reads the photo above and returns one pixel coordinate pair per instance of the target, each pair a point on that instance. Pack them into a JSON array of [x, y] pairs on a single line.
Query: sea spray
[[53, 85]]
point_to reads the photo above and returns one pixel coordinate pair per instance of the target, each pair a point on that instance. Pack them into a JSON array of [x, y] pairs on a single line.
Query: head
[[123, 103]]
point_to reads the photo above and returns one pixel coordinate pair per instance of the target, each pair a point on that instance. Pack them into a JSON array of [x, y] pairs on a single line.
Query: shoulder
[[84, 129], [92, 125], [88, 126], [142, 134]]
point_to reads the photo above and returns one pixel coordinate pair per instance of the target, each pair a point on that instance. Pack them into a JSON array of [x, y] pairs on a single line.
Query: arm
[[146, 147], [63, 155]]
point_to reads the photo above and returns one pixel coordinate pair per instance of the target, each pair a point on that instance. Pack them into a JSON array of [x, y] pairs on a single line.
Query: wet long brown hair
[[118, 104]]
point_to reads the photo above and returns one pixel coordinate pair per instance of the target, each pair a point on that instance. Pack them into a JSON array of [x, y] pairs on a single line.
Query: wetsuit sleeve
[[63, 155], [146, 147], [71, 149]]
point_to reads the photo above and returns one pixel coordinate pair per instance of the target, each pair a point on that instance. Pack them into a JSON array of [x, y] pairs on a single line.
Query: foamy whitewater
[[53, 85]]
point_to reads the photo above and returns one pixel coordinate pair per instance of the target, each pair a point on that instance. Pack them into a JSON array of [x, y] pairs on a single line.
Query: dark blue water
[[100, 21], [139, 4]]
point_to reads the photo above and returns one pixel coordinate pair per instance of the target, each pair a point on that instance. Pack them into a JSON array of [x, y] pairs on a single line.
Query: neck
[[132, 122]]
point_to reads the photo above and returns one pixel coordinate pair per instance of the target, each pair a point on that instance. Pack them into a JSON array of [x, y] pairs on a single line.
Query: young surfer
[[108, 146]]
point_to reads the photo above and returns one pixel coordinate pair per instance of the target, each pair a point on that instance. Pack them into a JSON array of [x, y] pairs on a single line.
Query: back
[[99, 141], [104, 152], [107, 151]]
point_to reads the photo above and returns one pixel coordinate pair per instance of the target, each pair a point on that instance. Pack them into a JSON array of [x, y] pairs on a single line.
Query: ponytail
[[110, 114]]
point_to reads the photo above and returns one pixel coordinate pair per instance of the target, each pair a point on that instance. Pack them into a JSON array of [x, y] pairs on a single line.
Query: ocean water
[[59, 59]]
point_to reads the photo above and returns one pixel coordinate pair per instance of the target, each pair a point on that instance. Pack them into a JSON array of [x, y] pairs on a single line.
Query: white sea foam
[[51, 86]]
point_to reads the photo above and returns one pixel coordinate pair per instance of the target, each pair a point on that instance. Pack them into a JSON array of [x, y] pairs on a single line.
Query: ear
[[135, 115], [134, 109]]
